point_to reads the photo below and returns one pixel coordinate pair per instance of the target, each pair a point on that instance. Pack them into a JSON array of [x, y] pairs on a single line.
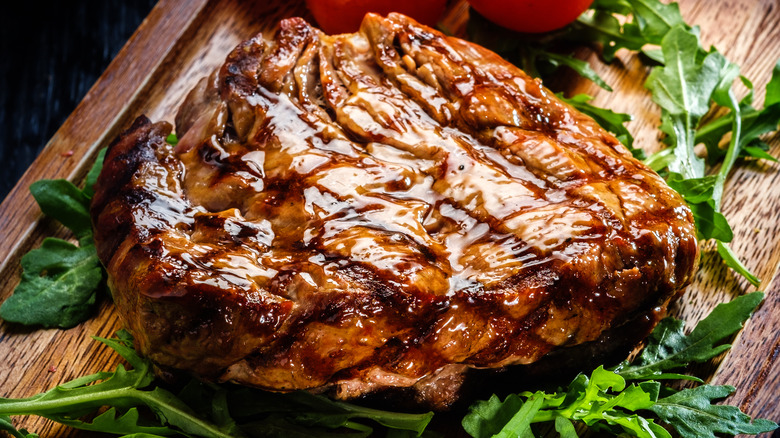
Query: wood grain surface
[[51, 56], [180, 41]]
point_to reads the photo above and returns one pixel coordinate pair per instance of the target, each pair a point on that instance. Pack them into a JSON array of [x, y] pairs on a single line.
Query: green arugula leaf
[[748, 99], [733, 262], [122, 344], [111, 422], [656, 19], [58, 286], [710, 223], [773, 87], [682, 88], [173, 411], [220, 411], [654, 54], [600, 409], [172, 139], [603, 402], [758, 151], [486, 418], [603, 27], [122, 389], [754, 124], [60, 281], [620, 7], [63, 201], [693, 415], [94, 172], [660, 160], [694, 190], [565, 427], [520, 423], [668, 347]]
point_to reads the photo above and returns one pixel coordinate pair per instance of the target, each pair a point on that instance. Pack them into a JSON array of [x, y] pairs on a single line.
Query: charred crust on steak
[[382, 212]]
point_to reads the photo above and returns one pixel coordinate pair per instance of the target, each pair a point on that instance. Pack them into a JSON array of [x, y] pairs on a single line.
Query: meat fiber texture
[[379, 210]]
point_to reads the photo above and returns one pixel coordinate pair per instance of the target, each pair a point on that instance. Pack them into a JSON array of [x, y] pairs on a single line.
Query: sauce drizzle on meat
[[375, 210]]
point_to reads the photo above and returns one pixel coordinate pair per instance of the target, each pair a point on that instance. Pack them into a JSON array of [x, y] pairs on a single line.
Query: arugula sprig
[[604, 401], [122, 389], [198, 410], [668, 347], [59, 280], [690, 80], [683, 88]]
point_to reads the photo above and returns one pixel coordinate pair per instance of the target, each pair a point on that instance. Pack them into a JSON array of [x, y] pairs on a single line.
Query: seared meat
[[379, 210]]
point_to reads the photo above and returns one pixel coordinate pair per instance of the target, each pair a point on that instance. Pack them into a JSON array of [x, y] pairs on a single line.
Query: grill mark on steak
[[383, 209]]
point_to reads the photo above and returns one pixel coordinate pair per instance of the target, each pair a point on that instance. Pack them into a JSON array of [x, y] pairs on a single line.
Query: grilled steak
[[384, 209]]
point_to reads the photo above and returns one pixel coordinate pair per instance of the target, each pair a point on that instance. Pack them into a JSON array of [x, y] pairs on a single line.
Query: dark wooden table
[[51, 53]]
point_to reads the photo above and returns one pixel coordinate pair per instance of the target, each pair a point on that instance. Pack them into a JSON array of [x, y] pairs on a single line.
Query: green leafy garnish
[[754, 123], [66, 203], [685, 86], [601, 401], [734, 263], [609, 24], [59, 280], [58, 286], [668, 347], [692, 413], [94, 172], [604, 402], [172, 139], [487, 418], [121, 389], [682, 88]]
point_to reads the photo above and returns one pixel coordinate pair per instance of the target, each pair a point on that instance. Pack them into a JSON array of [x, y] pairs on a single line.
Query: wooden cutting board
[[181, 41]]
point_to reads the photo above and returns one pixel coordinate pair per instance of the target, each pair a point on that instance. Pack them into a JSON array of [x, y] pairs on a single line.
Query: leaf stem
[[733, 151], [124, 397]]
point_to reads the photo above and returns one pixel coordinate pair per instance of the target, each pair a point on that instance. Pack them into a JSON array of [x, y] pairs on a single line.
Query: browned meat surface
[[384, 209]]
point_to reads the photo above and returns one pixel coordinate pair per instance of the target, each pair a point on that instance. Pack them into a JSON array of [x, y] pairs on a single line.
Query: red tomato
[[531, 16], [342, 16]]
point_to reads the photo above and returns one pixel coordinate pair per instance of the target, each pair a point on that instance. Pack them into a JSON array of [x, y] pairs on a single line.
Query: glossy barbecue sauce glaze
[[370, 209]]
